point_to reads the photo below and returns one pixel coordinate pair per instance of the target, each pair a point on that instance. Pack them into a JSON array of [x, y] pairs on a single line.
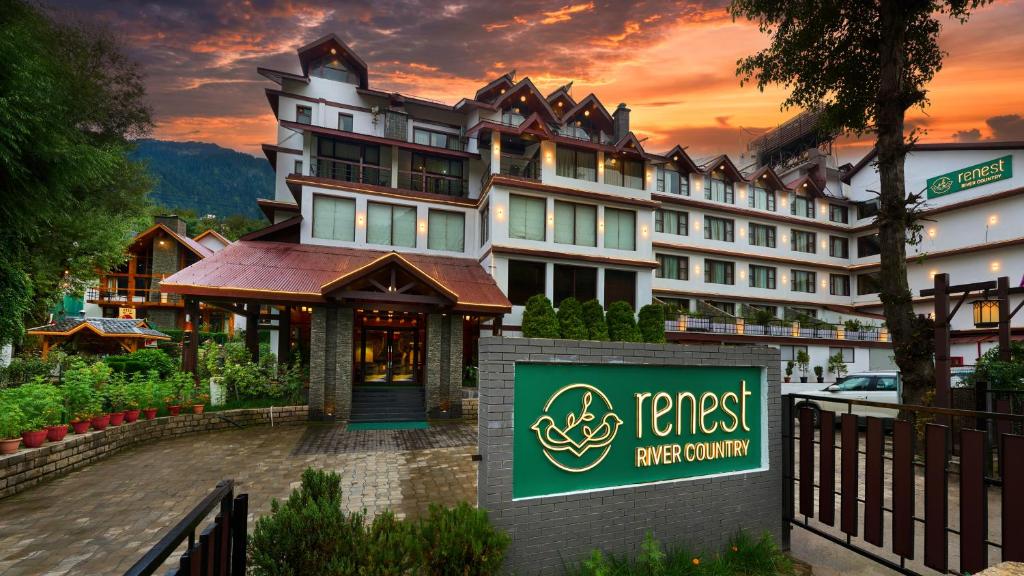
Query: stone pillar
[[444, 365], [455, 365], [165, 263], [432, 386], [317, 362], [343, 338]]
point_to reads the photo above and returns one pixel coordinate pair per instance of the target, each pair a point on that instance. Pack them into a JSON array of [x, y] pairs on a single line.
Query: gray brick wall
[[454, 368], [317, 362], [550, 532], [343, 357], [435, 333]]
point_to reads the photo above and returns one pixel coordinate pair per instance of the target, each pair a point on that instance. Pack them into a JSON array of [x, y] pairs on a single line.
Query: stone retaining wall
[[28, 467]]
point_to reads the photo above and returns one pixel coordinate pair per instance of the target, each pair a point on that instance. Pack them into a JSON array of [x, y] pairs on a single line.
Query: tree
[[863, 65], [652, 323], [539, 319], [570, 320], [71, 104], [621, 323], [593, 317], [837, 365], [231, 227]]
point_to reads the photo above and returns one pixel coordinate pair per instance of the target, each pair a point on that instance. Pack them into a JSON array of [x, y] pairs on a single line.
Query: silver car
[[876, 386]]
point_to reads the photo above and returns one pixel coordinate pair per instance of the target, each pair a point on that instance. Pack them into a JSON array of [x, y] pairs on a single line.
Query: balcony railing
[[520, 167], [131, 296], [347, 171], [434, 183], [775, 328]]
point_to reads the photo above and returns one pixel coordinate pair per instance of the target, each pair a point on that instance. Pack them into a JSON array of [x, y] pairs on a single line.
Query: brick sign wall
[[614, 439]]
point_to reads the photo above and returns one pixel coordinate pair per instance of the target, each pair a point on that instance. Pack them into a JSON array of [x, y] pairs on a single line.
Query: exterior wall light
[[522, 98], [696, 269], [423, 226], [361, 220], [993, 220], [995, 266]]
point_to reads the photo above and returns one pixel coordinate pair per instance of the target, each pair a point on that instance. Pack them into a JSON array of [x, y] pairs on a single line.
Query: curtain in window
[[446, 231], [586, 166], [718, 190], [718, 229], [526, 217], [803, 281], [803, 241], [762, 198], [565, 223], [404, 226], [334, 218], [619, 229], [378, 223], [612, 172], [565, 163], [761, 235], [717, 272], [762, 277], [633, 174], [586, 225]]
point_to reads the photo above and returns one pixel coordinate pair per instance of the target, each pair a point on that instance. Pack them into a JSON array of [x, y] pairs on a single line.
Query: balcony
[[520, 167], [131, 296], [729, 325], [422, 181], [347, 171]]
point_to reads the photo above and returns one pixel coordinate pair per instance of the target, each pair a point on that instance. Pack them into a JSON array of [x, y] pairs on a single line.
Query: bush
[[621, 323], [998, 374], [570, 320], [81, 398], [118, 394], [539, 319], [593, 318], [460, 541], [143, 361], [652, 323], [41, 403], [243, 381], [12, 420], [836, 365], [24, 369], [178, 335]]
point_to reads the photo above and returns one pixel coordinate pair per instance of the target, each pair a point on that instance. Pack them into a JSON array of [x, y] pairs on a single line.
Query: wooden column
[[942, 393], [496, 326], [252, 330], [190, 339], [1003, 295], [284, 336]]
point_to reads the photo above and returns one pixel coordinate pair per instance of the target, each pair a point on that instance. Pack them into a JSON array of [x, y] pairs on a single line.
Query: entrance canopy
[[303, 274]]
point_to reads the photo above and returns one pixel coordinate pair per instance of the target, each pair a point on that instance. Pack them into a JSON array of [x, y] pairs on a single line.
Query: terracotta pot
[[80, 426], [174, 410], [787, 379], [149, 413], [117, 418], [56, 433], [131, 415], [10, 445], [101, 422], [198, 408], [33, 439]]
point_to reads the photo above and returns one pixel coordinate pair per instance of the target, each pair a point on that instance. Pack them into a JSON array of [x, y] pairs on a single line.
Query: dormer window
[[801, 205], [672, 182], [624, 172], [762, 198], [717, 188], [332, 68]]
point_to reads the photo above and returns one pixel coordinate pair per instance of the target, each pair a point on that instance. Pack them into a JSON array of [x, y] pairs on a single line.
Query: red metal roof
[[304, 273]]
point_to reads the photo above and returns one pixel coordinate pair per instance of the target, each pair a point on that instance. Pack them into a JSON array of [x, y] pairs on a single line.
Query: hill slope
[[206, 178]]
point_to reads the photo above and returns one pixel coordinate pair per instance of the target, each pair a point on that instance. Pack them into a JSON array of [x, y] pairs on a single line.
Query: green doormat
[[388, 426]]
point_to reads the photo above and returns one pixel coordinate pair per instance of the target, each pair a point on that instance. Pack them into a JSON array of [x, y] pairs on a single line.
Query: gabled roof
[[678, 155], [492, 89], [279, 76], [333, 45], [768, 176], [271, 207], [197, 248], [590, 102], [283, 231], [525, 87], [215, 234], [561, 101], [724, 163], [628, 143], [106, 327], [381, 262], [806, 183]]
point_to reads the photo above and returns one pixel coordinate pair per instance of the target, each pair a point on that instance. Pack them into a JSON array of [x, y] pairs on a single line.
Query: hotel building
[[402, 227]]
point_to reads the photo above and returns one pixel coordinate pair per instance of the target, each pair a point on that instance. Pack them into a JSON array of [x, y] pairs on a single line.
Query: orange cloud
[[565, 13]]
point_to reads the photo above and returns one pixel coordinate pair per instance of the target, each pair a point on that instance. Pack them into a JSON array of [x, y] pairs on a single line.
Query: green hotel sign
[[970, 177], [598, 426]]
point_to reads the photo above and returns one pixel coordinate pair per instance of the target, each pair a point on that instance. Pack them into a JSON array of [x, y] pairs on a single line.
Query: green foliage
[[41, 403], [593, 318], [818, 371], [245, 381], [460, 540], [853, 325], [71, 104], [177, 335], [570, 320], [145, 390], [789, 367], [143, 361], [803, 361], [539, 318], [81, 396], [652, 323], [998, 374], [27, 368], [759, 316], [117, 394], [179, 389], [12, 419], [621, 323], [836, 365]]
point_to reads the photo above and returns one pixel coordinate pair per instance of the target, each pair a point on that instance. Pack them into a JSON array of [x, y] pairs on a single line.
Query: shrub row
[[588, 321]]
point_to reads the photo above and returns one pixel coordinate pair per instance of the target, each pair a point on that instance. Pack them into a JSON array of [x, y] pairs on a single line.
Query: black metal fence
[[220, 548], [782, 328]]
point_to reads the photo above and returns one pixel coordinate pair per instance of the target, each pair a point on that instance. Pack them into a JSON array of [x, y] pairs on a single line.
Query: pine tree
[[539, 319], [593, 318], [622, 323], [652, 323]]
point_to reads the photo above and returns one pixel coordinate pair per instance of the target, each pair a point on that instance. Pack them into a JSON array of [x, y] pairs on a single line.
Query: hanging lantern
[[986, 313]]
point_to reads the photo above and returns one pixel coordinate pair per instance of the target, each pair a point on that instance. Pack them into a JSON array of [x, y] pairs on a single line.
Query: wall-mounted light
[[743, 232], [548, 156], [932, 273], [785, 279], [785, 239], [805, 184], [696, 224], [994, 266], [501, 213], [334, 51], [502, 90], [423, 226], [643, 231], [559, 104], [824, 284], [722, 167], [783, 201], [586, 112], [522, 98], [696, 269], [743, 274], [932, 232], [600, 224], [824, 244], [361, 220], [824, 209], [993, 220], [551, 221], [674, 158], [986, 313]]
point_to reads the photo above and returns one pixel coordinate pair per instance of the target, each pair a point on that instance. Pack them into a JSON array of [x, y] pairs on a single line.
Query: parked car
[[876, 386]]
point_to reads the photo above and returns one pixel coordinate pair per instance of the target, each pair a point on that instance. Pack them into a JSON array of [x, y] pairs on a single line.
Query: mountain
[[206, 178]]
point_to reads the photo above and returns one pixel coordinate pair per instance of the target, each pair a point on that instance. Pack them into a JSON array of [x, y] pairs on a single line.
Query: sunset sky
[[673, 63]]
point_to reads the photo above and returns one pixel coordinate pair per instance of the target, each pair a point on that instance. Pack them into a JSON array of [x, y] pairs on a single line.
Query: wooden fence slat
[[973, 502], [874, 477], [806, 461], [185, 564], [849, 481], [195, 561], [240, 535], [224, 548], [1012, 464], [936, 551], [827, 468], [903, 489]]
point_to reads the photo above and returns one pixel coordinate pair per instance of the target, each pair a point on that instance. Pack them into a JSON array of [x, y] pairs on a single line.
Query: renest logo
[[942, 185], [581, 440]]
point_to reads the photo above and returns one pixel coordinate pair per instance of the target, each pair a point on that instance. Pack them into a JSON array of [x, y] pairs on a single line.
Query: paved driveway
[[102, 518]]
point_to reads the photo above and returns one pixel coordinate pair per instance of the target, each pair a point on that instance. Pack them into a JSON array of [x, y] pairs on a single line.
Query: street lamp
[[986, 313]]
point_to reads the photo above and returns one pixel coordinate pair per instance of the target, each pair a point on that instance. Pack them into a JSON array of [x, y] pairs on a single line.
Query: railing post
[[788, 469], [239, 530]]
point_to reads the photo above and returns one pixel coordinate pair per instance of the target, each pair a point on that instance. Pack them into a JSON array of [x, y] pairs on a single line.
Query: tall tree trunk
[[909, 333]]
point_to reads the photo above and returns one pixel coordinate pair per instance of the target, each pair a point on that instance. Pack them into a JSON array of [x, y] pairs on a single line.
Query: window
[[435, 139], [575, 224], [803, 281], [390, 224], [332, 68], [868, 208], [304, 114], [838, 247], [672, 182], [868, 245], [837, 213], [788, 353], [717, 188], [671, 222], [345, 122], [885, 383], [725, 307], [802, 241], [576, 281], [446, 231], [718, 272], [762, 198], [619, 285], [334, 218], [672, 267], [855, 383], [848, 353], [623, 172], [750, 309], [350, 161], [718, 229], [525, 279], [839, 284], [675, 304], [619, 229], [868, 284], [434, 174], [579, 164], [526, 217], [762, 235], [801, 205], [485, 224], [762, 277], [797, 313], [297, 167]]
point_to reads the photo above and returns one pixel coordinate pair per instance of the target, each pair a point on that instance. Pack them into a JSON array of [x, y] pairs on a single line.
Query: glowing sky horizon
[[672, 63]]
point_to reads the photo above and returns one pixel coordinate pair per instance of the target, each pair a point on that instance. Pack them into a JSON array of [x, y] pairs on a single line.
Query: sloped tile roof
[[119, 327]]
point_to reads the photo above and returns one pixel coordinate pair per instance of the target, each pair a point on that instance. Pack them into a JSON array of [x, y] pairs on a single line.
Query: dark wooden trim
[[739, 254], [567, 256], [299, 127], [788, 340], [383, 297], [399, 193], [539, 187], [692, 202], [273, 228]]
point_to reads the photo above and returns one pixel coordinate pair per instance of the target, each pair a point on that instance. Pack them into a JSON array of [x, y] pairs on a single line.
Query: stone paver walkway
[[102, 518]]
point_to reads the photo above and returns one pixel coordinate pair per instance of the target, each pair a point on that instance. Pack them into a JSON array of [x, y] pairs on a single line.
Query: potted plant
[[81, 404], [819, 373], [118, 398], [789, 371], [173, 404], [199, 404], [40, 404], [12, 422], [148, 393], [803, 362], [836, 365]]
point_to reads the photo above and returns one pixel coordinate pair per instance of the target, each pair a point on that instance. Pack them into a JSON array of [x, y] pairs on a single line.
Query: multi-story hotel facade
[[512, 192]]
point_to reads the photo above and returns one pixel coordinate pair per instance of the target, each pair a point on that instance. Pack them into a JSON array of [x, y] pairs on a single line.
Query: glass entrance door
[[390, 356]]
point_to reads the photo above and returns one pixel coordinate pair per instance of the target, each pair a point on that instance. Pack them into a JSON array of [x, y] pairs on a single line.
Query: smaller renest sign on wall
[[590, 427]]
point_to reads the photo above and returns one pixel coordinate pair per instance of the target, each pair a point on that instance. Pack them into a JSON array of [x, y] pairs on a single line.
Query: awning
[[285, 273]]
